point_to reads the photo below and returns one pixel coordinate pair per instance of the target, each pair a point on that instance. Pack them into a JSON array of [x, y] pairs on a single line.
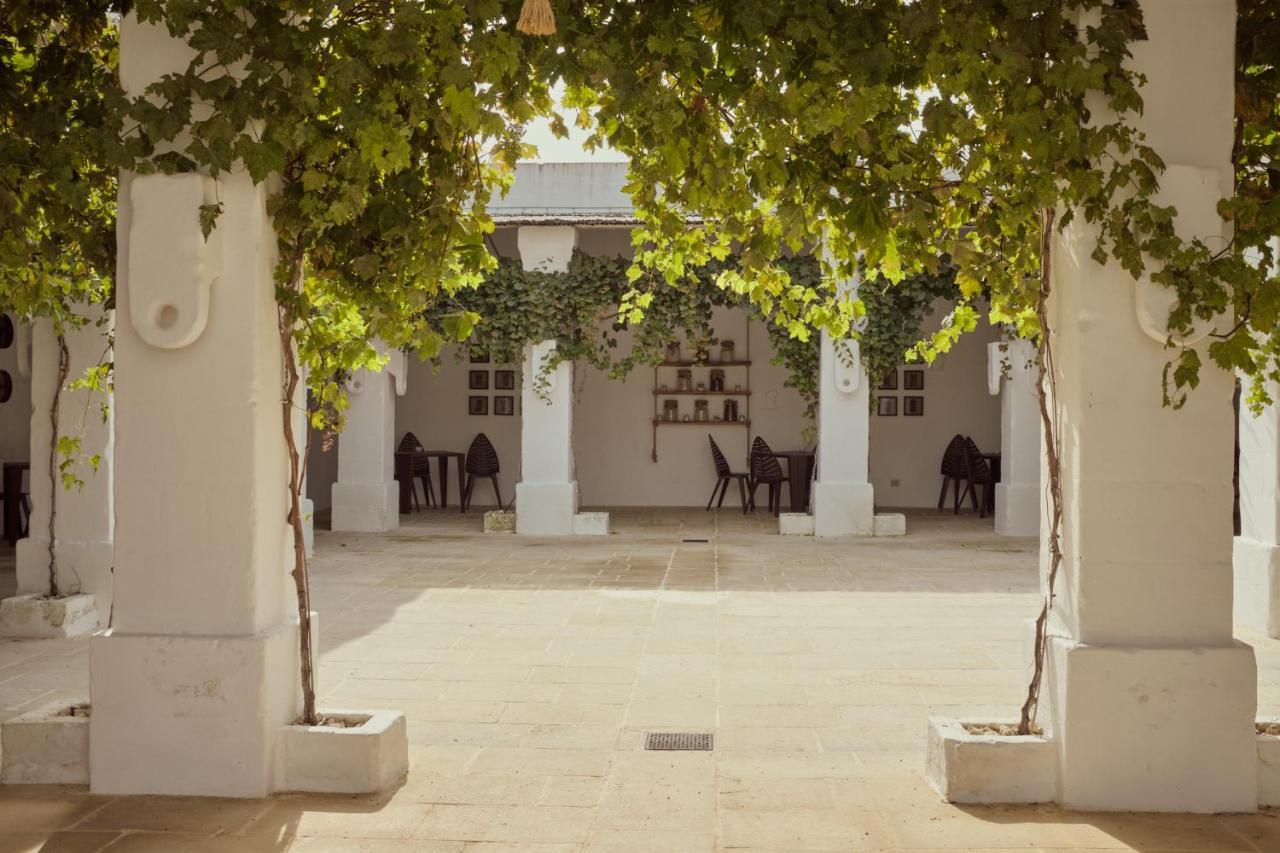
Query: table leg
[[404, 478], [795, 473], [462, 504], [442, 471]]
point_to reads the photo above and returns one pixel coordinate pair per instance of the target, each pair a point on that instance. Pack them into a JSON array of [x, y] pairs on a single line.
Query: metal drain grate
[[704, 741], [695, 540]]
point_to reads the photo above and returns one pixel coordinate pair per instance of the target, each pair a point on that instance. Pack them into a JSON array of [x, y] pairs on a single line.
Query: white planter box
[[983, 768], [40, 617], [591, 524], [795, 524], [1268, 767], [361, 759], [498, 521], [47, 746], [889, 524]]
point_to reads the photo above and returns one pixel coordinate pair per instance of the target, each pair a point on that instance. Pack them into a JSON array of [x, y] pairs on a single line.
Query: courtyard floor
[[530, 671]]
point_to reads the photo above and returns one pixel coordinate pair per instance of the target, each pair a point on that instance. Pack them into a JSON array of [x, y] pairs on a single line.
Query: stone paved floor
[[530, 669]]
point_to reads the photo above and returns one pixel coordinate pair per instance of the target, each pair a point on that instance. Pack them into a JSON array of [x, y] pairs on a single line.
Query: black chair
[[482, 461], [421, 471], [724, 476], [765, 469], [979, 474], [955, 469]]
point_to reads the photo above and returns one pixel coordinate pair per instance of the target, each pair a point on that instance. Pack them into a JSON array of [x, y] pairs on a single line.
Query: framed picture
[[887, 407], [478, 380], [913, 380], [913, 407], [504, 380], [890, 382], [478, 357], [504, 405], [477, 405]]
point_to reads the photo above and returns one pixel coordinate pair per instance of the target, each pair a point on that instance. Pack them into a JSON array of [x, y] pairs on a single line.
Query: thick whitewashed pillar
[[1151, 700], [547, 494], [843, 498], [85, 516], [1256, 555], [1011, 373], [366, 497], [200, 670]]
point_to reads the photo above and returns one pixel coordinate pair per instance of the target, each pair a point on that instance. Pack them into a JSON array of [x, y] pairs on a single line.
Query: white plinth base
[[47, 746], [190, 715], [38, 617], [1256, 567], [591, 524], [890, 524], [1154, 729], [499, 521], [795, 524], [546, 509], [981, 768], [82, 567], [359, 760], [1017, 509], [1269, 768], [843, 509], [366, 507]]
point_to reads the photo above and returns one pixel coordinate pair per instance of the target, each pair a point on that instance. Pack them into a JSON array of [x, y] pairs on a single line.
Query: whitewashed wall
[[906, 452], [15, 415]]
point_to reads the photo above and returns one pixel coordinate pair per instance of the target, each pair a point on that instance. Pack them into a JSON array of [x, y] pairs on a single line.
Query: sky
[[552, 150]]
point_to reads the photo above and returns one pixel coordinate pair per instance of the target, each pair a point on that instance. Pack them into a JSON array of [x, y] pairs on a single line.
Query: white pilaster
[[1151, 701], [843, 498], [366, 497], [200, 671], [547, 494], [85, 515], [1256, 556], [1011, 373]]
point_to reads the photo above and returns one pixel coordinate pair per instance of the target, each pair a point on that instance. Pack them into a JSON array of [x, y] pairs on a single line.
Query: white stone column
[[843, 497], [1256, 553], [1151, 701], [200, 671], [366, 497], [85, 516], [547, 494], [1011, 373]]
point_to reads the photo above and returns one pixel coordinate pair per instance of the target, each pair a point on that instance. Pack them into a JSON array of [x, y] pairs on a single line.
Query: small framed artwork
[[478, 380], [887, 407], [913, 380], [504, 405], [504, 380], [890, 382], [477, 405], [913, 407], [478, 356]]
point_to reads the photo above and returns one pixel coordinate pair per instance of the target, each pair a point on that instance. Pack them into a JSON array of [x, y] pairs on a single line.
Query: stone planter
[[591, 524], [795, 524], [1269, 762], [41, 617], [47, 746], [889, 524], [965, 767], [499, 521], [371, 753]]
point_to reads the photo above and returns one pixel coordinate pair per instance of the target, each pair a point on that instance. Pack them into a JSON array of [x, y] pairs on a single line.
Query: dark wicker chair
[[955, 470], [421, 471], [482, 461], [724, 476], [765, 469], [979, 474]]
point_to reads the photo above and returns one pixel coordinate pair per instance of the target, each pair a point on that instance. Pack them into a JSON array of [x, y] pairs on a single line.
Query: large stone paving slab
[[531, 670]]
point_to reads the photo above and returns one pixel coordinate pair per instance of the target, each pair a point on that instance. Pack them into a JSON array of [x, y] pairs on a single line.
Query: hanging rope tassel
[[536, 18]]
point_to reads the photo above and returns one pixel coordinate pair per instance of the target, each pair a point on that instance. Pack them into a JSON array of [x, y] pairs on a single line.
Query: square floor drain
[[680, 741]]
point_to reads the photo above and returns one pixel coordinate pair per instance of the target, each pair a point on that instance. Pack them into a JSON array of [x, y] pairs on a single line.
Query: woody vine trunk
[[301, 577], [64, 368], [1045, 392]]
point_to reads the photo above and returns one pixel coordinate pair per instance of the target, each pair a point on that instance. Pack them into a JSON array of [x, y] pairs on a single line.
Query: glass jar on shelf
[[684, 380], [701, 413]]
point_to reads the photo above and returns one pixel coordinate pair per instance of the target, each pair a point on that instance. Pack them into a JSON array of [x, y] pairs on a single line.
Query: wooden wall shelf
[[705, 364], [660, 422], [658, 393]]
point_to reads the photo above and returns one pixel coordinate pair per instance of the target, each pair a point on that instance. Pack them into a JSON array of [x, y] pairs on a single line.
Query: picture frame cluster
[[911, 405], [484, 379]]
